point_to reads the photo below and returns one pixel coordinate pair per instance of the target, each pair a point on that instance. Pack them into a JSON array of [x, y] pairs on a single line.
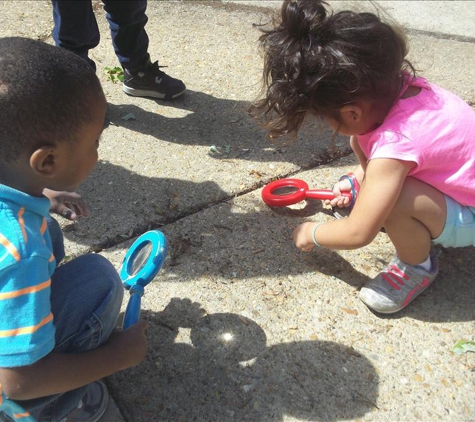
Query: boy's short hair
[[46, 95]]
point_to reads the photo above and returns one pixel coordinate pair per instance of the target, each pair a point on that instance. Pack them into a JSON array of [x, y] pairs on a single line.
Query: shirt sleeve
[[389, 144]]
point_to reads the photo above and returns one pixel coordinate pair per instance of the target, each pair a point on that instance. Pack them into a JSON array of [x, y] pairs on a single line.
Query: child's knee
[[107, 280], [86, 302]]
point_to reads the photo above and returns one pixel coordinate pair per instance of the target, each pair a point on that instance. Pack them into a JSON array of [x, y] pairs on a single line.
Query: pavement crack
[[322, 160], [441, 35]]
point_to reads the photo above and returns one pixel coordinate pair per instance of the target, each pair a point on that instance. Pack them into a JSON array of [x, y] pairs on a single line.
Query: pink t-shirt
[[434, 129]]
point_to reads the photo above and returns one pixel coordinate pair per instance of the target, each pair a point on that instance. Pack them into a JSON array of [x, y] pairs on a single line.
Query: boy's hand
[[302, 236], [131, 344], [69, 205]]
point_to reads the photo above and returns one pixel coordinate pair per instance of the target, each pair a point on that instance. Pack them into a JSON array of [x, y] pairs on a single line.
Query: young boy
[[57, 337]]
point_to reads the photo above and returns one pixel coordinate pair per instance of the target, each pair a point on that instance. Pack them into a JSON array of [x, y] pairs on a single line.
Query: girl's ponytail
[[316, 61]]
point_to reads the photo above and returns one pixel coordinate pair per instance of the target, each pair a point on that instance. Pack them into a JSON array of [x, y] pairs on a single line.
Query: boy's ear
[[351, 113], [44, 161]]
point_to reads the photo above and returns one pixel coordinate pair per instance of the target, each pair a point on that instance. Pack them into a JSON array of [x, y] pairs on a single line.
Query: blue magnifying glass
[[142, 262], [14, 410]]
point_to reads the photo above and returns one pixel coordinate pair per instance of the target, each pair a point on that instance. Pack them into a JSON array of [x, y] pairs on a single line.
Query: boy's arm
[[61, 372]]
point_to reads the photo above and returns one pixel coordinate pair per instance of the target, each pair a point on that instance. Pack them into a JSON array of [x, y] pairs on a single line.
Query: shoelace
[[156, 67], [395, 277]]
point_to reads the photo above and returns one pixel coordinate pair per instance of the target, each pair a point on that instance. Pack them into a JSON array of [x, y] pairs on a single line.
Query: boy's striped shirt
[[26, 266]]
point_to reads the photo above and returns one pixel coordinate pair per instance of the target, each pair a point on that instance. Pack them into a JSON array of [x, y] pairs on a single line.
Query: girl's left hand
[[69, 205], [302, 236]]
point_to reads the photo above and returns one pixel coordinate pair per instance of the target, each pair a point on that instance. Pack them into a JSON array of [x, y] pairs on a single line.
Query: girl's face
[[344, 128], [355, 118]]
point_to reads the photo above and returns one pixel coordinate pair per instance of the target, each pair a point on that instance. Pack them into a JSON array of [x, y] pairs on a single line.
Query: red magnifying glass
[[284, 192]]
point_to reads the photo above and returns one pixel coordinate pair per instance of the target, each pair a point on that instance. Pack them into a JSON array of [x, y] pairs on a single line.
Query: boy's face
[[78, 158]]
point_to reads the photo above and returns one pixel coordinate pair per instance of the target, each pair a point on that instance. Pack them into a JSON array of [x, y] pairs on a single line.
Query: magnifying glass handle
[[324, 194], [14, 410], [132, 312]]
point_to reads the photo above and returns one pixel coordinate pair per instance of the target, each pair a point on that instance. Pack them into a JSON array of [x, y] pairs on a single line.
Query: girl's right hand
[[131, 344], [339, 200]]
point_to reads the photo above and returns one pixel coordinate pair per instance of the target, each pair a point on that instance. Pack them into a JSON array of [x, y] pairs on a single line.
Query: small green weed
[[114, 74]]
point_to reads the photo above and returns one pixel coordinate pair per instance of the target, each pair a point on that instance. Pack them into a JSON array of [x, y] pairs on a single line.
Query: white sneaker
[[398, 285]]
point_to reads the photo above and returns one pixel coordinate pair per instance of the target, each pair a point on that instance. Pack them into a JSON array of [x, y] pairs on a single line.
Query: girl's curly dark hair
[[316, 61]]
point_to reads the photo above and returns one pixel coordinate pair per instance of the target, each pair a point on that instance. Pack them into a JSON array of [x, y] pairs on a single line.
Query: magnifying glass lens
[[285, 190], [140, 258]]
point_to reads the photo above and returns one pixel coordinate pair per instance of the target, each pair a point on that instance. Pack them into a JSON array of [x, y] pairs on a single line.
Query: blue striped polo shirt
[[26, 266]]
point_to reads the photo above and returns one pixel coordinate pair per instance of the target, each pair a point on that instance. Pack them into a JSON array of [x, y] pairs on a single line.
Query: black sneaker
[[150, 81], [92, 405]]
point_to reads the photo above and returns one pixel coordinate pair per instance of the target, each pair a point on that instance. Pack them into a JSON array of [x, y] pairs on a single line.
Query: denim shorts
[[459, 229]]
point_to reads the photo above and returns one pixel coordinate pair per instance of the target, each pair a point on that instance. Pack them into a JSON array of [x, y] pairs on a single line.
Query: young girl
[[415, 141]]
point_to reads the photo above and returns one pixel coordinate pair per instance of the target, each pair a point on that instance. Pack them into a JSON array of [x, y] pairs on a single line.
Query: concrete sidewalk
[[242, 326]]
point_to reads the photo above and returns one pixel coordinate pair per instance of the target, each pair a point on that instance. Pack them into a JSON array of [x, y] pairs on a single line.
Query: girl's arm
[[61, 372], [381, 187]]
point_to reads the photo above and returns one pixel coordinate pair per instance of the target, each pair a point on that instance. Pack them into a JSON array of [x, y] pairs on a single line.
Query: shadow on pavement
[[206, 120], [124, 204], [245, 239], [225, 371], [242, 247]]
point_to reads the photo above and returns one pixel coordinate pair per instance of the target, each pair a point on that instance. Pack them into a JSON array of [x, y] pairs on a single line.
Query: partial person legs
[[142, 78], [418, 217], [75, 27], [127, 20]]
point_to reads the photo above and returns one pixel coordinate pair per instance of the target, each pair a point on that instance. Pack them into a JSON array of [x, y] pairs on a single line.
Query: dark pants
[[75, 28]]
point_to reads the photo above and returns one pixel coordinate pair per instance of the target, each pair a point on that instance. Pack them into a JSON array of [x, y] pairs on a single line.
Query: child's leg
[[84, 286], [86, 295], [127, 24], [418, 217], [75, 27]]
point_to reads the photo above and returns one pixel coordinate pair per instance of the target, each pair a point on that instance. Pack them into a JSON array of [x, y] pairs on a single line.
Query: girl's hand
[[302, 236], [339, 200], [69, 205], [131, 344]]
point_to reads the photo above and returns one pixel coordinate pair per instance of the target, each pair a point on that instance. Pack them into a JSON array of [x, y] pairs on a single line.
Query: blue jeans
[[75, 28], [86, 295]]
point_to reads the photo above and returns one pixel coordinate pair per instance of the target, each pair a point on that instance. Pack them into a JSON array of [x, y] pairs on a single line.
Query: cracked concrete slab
[[242, 326]]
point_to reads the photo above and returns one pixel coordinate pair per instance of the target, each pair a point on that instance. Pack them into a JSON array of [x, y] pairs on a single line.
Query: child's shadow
[[449, 299], [226, 372], [327, 261]]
